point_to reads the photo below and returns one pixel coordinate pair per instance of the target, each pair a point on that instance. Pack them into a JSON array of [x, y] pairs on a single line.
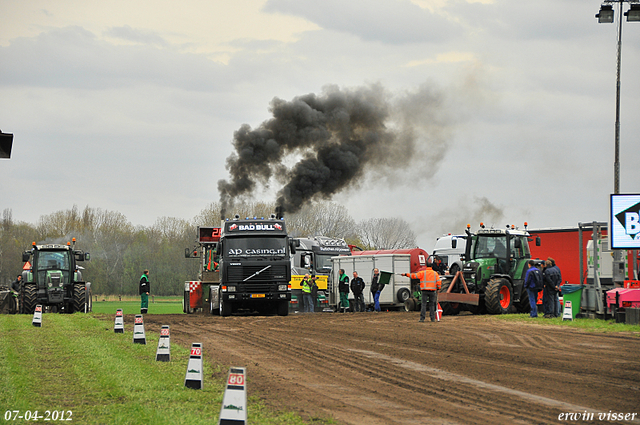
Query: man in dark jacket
[[376, 288], [144, 292], [17, 283], [552, 281], [357, 286], [343, 288], [531, 280]]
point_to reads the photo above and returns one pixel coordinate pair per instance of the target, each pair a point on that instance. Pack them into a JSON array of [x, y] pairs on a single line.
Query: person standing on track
[[306, 294], [533, 283], [145, 288], [430, 283], [376, 288], [343, 288], [357, 286], [552, 281]]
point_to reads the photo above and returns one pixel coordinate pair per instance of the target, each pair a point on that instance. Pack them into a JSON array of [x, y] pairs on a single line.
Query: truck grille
[[256, 288], [273, 273]]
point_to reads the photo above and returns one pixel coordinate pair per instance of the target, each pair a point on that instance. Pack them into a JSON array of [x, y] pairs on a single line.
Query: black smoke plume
[[337, 137]]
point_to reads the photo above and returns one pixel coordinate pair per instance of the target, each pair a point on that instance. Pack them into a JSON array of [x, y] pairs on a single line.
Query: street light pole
[[616, 156], [606, 15]]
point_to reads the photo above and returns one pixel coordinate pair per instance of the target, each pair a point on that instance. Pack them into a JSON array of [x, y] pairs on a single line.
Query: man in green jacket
[[343, 288], [144, 292]]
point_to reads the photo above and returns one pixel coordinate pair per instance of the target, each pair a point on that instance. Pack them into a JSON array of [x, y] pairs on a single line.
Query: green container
[[385, 277], [575, 298]]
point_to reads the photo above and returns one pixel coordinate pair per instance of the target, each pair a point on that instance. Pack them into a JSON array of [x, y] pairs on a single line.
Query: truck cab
[[255, 267], [313, 256], [450, 249]]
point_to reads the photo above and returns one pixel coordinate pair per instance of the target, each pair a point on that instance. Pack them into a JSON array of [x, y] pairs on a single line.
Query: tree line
[[120, 251]]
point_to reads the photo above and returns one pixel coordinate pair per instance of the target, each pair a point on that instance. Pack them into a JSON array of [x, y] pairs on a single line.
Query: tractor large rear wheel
[[79, 298], [29, 299], [449, 309], [524, 306], [498, 296]]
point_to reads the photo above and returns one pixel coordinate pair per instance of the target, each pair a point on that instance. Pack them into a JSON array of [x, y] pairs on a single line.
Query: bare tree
[[386, 233], [323, 218]]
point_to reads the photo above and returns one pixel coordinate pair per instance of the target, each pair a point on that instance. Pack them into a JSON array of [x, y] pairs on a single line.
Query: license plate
[[257, 295]]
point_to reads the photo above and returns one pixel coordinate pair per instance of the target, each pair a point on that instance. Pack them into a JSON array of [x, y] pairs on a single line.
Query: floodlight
[[605, 16], [633, 14]]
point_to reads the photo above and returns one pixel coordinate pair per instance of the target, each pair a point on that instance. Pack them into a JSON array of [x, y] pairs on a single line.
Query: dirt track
[[386, 368]]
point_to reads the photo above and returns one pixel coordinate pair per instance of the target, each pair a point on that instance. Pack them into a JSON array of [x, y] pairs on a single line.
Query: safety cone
[[193, 378], [139, 336], [163, 353], [234, 402], [37, 317], [438, 312], [118, 326]]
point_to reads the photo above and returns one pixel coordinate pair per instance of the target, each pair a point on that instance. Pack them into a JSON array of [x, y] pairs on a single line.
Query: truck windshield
[[255, 247], [490, 247], [53, 260], [323, 262]]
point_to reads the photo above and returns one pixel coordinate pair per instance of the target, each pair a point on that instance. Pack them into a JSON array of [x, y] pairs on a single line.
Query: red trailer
[[563, 245]]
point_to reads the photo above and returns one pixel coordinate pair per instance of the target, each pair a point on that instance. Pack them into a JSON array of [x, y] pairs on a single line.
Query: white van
[[450, 256]]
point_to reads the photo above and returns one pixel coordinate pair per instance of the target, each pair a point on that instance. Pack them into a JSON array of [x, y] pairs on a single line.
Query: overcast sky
[[132, 106]]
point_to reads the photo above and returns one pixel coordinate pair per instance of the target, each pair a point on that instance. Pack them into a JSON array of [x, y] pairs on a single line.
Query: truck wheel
[[283, 308], [225, 308], [454, 269], [214, 310], [79, 298], [29, 299], [186, 303], [410, 304], [449, 309], [403, 295], [498, 296]]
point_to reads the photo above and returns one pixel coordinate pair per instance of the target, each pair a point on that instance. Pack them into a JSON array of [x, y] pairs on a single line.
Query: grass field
[[77, 364], [590, 325], [160, 306]]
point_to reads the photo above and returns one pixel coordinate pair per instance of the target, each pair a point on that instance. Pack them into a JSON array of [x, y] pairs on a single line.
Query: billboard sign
[[625, 221]]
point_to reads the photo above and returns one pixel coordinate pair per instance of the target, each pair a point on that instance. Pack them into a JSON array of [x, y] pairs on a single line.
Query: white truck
[[397, 288], [450, 249]]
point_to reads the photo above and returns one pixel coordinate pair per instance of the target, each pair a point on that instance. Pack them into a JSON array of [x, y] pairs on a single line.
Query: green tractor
[[52, 279], [492, 278]]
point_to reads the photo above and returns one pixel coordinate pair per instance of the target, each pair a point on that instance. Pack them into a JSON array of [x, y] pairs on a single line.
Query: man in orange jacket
[[429, 285]]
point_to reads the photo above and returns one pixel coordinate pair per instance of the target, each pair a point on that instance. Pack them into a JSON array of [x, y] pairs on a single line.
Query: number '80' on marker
[[236, 379]]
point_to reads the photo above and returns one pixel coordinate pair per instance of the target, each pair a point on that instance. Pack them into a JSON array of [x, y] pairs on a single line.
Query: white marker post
[[163, 353], [118, 326], [234, 402], [567, 313], [37, 317], [139, 336], [193, 378]]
